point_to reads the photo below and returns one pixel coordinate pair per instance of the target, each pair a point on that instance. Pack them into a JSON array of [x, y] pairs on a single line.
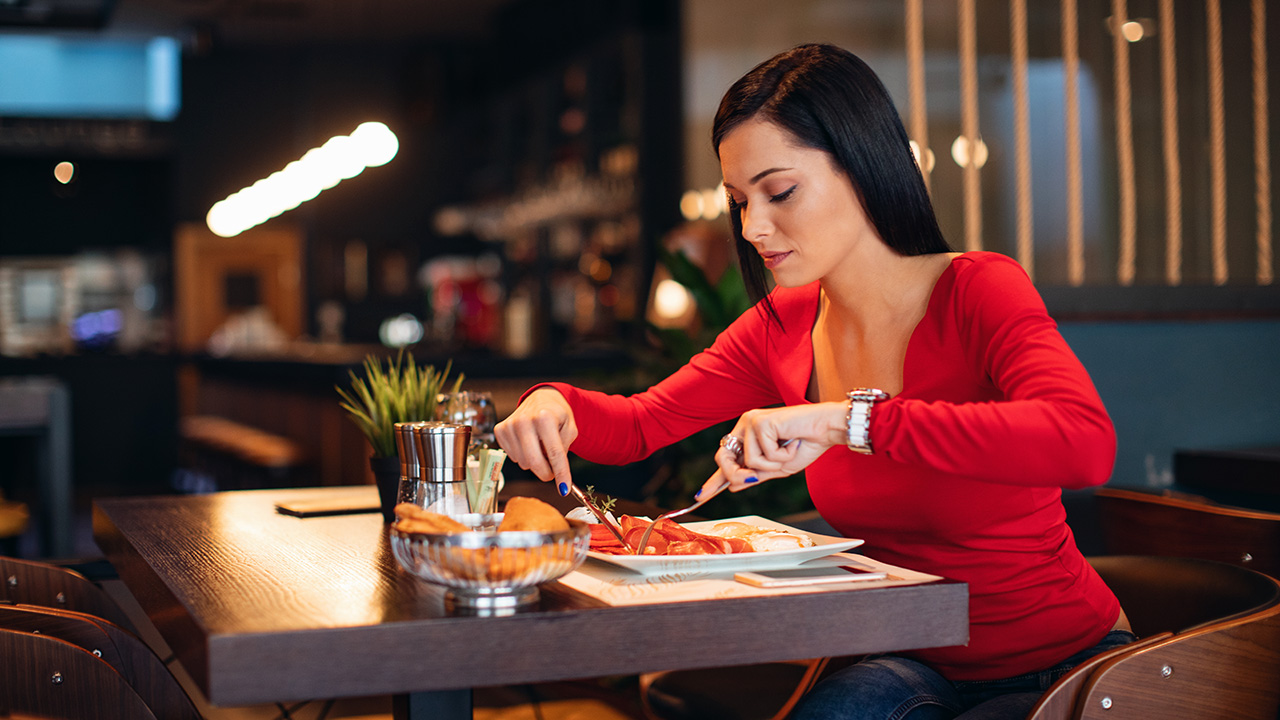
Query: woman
[[938, 412]]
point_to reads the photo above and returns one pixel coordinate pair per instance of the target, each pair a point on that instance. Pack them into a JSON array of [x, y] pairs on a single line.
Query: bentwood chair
[[140, 668], [35, 583], [47, 677], [1209, 647], [1177, 525]]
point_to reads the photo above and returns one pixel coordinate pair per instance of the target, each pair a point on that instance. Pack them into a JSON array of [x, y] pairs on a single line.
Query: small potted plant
[[400, 392]]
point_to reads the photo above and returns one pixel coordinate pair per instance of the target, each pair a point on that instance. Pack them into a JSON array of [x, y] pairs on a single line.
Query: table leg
[[435, 705]]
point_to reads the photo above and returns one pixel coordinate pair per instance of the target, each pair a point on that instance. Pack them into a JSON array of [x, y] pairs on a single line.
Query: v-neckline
[[807, 340]]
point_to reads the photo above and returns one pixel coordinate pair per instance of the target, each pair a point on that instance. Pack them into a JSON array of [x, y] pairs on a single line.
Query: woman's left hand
[[778, 442]]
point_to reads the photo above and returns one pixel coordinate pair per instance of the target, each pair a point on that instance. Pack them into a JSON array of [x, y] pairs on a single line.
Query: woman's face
[[799, 210]]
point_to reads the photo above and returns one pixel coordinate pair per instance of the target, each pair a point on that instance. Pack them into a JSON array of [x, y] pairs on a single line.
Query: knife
[[603, 518]]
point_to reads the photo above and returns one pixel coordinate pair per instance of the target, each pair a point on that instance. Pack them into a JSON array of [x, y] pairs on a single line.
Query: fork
[[702, 499]]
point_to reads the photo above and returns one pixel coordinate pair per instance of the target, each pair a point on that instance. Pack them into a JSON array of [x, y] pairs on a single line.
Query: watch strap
[[858, 417]]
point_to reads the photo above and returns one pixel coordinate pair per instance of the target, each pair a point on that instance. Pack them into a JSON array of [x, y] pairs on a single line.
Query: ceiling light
[[343, 157]]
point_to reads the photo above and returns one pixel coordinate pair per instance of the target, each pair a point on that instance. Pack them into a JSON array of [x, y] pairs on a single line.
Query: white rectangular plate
[[668, 564]]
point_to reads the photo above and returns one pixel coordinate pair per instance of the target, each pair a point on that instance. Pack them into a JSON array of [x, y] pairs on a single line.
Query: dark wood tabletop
[[260, 606]]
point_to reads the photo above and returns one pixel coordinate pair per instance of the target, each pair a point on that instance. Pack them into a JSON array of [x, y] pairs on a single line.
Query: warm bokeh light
[[925, 162], [343, 157], [63, 172], [671, 299], [960, 152], [1132, 31], [691, 205], [704, 204]]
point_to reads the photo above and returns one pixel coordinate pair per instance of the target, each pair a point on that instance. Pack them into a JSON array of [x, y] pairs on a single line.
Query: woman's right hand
[[538, 435]]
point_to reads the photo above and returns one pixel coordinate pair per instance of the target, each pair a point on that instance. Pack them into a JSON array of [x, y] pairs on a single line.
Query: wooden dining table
[[260, 606]]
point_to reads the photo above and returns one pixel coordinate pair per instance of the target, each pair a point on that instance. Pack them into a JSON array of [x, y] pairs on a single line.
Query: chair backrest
[[51, 678], [1219, 671], [119, 648], [1211, 647], [1144, 523], [1162, 594], [35, 583]]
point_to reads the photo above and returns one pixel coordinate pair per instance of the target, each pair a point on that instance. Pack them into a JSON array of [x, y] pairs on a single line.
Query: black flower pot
[[386, 474]]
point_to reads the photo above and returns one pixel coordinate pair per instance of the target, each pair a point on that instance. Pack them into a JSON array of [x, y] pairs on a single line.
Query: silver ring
[[733, 444]]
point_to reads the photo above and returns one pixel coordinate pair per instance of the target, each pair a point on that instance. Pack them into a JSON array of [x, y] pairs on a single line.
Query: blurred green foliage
[[680, 469]]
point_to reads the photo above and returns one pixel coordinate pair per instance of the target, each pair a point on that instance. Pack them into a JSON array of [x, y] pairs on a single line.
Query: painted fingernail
[[752, 479], [564, 489], [697, 495]]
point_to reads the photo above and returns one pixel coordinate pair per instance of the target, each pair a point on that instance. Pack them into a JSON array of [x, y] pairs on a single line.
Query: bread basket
[[487, 572]]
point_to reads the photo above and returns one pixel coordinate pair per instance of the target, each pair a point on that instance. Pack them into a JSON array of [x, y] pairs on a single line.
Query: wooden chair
[[47, 677], [128, 655], [1210, 647], [46, 600], [1178, 525], [35, 583]]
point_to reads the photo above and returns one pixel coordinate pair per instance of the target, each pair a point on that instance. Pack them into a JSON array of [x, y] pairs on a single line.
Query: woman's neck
[[879, 286]]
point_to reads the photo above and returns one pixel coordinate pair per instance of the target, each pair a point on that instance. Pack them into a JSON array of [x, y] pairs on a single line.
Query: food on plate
[[761, 539], [668, 538], [588, 517], [526, 513], [671, 538]]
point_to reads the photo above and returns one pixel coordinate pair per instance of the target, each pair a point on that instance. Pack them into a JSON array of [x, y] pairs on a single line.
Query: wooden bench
[[234, 452]]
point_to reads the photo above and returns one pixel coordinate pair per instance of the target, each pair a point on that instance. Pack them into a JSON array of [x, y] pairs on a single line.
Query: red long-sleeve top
[[995, 417]]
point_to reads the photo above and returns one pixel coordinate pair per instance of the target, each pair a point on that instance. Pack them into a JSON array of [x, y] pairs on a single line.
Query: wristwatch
[[861, 400]]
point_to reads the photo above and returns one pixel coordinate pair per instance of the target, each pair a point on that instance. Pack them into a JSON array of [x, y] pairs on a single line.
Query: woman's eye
[[782, 195], [734, 204]]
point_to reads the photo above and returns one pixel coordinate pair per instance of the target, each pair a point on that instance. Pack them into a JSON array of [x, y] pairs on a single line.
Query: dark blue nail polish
[[697, 494], [564, 489], [752, 479]]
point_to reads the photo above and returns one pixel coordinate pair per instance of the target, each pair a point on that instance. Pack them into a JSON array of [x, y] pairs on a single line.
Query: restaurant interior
[[538, 181]]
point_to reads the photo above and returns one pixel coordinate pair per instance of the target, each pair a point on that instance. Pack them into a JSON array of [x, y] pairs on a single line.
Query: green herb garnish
[[604, 502]]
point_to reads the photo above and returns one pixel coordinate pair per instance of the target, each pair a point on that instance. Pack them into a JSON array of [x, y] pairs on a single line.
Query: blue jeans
[[888, 687]]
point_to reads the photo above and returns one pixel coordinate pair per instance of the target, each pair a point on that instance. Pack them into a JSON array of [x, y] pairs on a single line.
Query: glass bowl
[[487, 572]]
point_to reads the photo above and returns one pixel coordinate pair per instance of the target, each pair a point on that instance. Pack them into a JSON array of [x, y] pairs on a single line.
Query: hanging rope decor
[[1124, 144], [1261, 142], [969, 125], [1172, 163], [1022, 132], [1217, 143], [1075, 183], [916, 78]]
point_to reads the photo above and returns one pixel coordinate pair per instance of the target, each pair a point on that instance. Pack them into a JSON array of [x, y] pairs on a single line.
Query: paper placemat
[[608, 585]]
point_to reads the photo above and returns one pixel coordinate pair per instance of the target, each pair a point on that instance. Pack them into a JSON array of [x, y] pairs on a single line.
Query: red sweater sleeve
[[720, 383], [1045, 423]]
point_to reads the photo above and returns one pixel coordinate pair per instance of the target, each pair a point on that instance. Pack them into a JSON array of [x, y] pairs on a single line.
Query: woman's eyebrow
[[760, 175]]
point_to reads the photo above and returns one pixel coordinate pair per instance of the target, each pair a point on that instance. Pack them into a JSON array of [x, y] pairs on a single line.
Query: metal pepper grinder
[[442, 466], [410, 472]]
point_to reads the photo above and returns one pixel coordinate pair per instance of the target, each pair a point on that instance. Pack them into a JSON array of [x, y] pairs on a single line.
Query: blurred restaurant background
[[529, 165]]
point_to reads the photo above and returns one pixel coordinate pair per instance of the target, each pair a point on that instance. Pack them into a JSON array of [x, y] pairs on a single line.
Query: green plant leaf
[[402, 391]]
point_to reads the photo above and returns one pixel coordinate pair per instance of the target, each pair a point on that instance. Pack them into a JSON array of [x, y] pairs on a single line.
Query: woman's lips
[[771, 259]]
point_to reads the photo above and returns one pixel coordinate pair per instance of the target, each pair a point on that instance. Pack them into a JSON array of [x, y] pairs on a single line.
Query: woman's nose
[[755, 226]]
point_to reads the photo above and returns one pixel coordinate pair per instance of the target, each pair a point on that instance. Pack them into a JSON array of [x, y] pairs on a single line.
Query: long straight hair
[[830, 100]]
